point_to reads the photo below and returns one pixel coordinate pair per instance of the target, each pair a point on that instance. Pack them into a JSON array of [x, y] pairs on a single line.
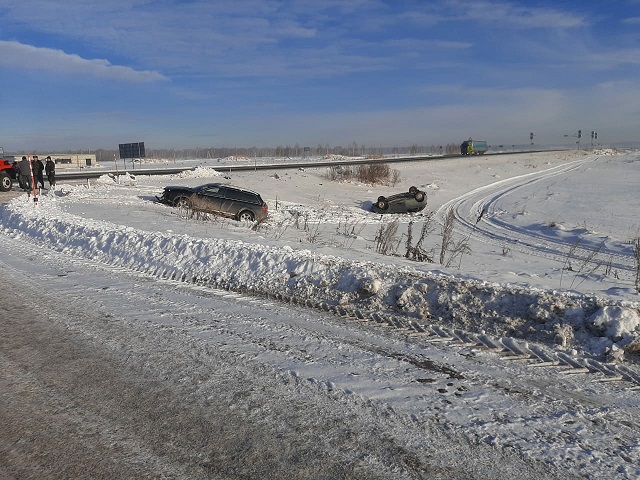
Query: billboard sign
[[132, 150]]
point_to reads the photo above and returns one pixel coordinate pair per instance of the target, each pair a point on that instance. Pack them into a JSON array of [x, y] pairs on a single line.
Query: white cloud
[[18, 55], [608, 60], [508, 14]]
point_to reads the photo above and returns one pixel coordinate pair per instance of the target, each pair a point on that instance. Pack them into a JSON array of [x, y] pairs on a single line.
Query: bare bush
[[395, 177], [386, 238], [567, 260], [458, 249], [447, 234], [373, 173], [417, 251], [586, 261], [257, 226], [350, 230], [588, 265], [370, 173], [340, 173], [278, 230], [455, 249], [313, 232], [194, 209], [331, 174]]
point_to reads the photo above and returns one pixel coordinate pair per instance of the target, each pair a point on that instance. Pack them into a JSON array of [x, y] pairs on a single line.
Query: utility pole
[[578, 136]]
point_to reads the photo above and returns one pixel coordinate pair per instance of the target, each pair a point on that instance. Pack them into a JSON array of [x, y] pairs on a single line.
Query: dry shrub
[[586, 259], [371, 173], [195, 209], [340, 173], [417, 252], [455, 249], [386, 238], [447, 234]]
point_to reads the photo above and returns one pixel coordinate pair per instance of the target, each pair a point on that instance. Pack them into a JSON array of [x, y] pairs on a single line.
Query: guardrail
[[91, 173]]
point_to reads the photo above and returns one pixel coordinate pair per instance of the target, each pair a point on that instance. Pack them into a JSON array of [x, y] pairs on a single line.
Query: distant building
[[72, 160]]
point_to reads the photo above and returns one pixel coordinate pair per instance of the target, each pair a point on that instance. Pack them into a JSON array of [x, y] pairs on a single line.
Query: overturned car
[[408, 202]]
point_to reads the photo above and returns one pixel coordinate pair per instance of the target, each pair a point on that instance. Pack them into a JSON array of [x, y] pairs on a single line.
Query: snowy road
[[168, 379]]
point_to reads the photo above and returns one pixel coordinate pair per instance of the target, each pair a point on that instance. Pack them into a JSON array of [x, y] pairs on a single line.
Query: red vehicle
[[7, 173]]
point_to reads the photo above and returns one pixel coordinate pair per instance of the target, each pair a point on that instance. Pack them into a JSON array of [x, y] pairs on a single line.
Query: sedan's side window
[[213, 192]]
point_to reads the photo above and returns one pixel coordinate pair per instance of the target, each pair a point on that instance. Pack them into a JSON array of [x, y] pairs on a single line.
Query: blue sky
[[87, 74]]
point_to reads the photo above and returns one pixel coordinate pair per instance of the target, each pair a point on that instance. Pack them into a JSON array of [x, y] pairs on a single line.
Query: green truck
[[473, 147]]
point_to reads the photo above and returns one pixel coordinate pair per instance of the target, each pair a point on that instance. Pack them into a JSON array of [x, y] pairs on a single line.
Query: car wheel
[[5, 182], [382, 204], [419, 196], [413, 190], [246, 216], [182, 202]]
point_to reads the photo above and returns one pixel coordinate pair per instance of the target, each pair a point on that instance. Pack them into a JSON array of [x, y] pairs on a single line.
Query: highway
[[91, 173]]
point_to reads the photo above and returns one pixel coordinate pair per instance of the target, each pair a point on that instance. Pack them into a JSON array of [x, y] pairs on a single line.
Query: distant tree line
[[352, 150]]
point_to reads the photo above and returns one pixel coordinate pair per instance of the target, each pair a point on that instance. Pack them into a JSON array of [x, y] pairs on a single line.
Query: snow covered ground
[[548, 280]]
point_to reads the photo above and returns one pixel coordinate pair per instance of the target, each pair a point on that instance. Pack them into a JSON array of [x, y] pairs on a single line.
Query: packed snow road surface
[[108, 374]]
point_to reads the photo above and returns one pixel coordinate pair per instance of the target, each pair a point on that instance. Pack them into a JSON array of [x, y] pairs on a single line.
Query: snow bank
[[618, 323], [428, 298]]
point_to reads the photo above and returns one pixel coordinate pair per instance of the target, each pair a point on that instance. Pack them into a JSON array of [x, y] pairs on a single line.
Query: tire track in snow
[[474, 212]]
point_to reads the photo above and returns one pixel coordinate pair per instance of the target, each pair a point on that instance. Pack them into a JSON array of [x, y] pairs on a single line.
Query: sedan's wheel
[[182, 202], [413, 190], [382, 204], [246, 216], [419, 196]]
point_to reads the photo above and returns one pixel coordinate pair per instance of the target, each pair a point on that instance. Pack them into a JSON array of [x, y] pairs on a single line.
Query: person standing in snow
[[38, 168], [16, 170], [50, 170], [25, 174]]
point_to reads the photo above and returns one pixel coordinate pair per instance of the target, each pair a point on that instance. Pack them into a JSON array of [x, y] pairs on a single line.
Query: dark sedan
[[219, 199], [408, 202]]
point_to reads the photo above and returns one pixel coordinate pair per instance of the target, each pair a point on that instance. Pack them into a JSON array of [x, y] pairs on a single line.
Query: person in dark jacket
[[25, 174], [38, 169], [16, 173], [50, 170]]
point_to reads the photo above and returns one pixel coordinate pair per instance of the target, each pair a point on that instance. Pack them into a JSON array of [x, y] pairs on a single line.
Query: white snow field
[[518, 353]]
